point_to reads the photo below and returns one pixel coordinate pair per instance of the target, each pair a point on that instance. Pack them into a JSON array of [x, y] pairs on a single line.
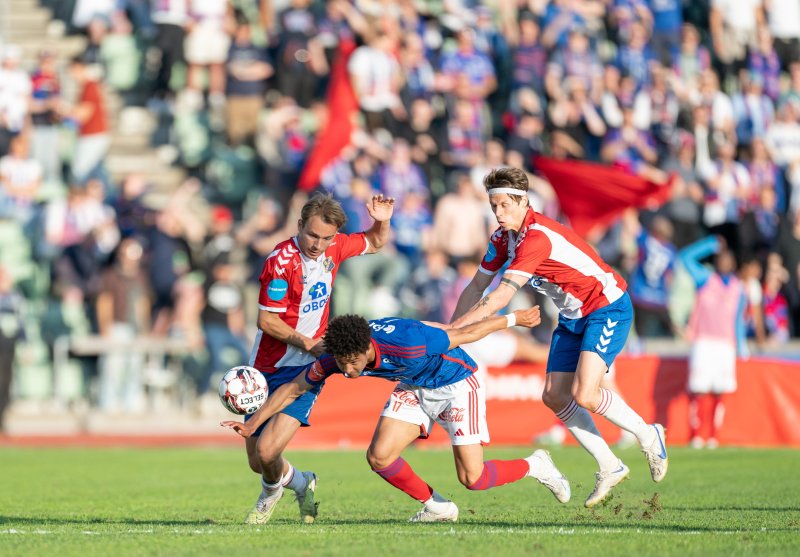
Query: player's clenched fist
[[528, 317]]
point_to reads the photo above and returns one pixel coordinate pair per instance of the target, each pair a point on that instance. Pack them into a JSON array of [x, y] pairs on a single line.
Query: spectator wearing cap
[[93, 140], [248, 68], [46, 112], [15, 93]]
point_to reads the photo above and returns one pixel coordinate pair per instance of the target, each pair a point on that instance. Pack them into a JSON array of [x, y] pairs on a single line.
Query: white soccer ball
[[243, 390]]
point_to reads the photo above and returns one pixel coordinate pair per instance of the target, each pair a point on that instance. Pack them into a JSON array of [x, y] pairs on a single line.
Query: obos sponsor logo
[[319, 297]]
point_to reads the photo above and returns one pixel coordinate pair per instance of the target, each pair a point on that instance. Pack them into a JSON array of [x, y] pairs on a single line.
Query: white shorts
[[459, 408], [206, 44], [712, 367]]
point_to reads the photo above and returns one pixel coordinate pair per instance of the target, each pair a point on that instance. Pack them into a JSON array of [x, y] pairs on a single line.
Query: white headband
[[509, 191]]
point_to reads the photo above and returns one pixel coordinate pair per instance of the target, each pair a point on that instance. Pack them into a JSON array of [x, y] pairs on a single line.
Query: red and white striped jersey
[[558, 263], [299, 289]]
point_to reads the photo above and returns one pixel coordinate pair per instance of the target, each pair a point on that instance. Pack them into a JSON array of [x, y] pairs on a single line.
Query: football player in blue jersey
[[436, 384]]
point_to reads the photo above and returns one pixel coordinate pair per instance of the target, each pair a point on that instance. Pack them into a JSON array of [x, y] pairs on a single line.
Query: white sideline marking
[[561, 531]]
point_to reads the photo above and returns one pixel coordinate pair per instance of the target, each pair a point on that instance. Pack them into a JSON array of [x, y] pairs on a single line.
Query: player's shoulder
[[499, 236]]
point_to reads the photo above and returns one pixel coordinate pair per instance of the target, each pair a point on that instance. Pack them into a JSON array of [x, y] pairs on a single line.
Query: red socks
[[400, 475], [500, 472]]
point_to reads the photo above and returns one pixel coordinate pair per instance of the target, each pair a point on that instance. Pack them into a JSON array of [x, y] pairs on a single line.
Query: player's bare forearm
[[471, 333], [488, 305], [471, 295], [271, 324], [378, 235]]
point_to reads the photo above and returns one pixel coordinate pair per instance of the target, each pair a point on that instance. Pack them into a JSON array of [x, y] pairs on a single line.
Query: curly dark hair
[[347, 335]]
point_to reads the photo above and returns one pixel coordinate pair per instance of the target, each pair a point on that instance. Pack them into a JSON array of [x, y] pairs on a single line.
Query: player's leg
[[266, 455], [604, 336], [460, 409], [401, 422]]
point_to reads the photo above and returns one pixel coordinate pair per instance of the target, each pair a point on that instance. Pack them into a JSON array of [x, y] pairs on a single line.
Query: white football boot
[[448, 514], [263, 508], [605, 481], [544, 470], [656, 454]]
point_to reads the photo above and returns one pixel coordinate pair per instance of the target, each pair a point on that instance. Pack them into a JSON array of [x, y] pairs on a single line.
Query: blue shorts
[[300, 409], [604, 332]]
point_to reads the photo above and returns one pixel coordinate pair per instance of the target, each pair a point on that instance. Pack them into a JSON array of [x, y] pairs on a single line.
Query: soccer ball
[[243, 390]]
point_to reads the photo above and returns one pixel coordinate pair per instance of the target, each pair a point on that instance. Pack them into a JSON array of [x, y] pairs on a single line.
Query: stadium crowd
[[705, 91]]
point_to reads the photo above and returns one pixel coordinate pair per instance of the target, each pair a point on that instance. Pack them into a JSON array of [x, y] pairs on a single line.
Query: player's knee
[[554, 400], [378, 461], [585, 398], [254, 462], [266, 455], [470, 479]]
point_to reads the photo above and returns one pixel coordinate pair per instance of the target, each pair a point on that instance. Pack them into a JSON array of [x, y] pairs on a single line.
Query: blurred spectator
[[651, 280], [733, 26], [248, 68], [789, 251], [427, 286], [206, 46], [667, 20], [411, 223], [690, 63], [93, 139], [223, 318], [752, 110], [716, 332], [400, 175], [750, 273], [576, 62], [46, 111], [764, 61], [530, 57], [467, 73], [11, 332], [376, 78], [634, 57], [300, 59], [776, 308], [133, 217], [459, 222], [20, 181], [632, 149], [171, 18], [685, 204], [15, 93], [123, 313], [783, 19], [420, 77], [578, 127]]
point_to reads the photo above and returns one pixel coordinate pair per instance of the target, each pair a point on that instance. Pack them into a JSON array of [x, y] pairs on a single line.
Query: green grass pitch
[[182, 501]]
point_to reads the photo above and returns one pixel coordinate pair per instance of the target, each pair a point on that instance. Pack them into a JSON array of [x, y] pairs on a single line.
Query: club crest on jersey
[[328, 264], [537, 281]]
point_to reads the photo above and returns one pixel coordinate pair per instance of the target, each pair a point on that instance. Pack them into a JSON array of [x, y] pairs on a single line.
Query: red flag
[[593, 195], [342, 103]]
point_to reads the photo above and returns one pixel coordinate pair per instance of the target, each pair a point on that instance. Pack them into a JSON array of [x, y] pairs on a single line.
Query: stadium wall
[[764, 411]]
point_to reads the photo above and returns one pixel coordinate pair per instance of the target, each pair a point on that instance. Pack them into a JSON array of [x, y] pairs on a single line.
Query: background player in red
[[595, 316], [436, 384], [296, 285]]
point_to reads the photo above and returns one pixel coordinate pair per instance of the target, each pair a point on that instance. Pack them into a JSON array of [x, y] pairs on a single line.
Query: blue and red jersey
[[409, 351]]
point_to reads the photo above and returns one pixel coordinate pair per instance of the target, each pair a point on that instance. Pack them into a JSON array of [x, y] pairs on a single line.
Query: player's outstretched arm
[[471, 295], [277, 401], [470, 333], [492, 302], [380, 209]]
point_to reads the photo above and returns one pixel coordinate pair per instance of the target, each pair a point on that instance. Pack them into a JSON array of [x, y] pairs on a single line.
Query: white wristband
[[511, 319]]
